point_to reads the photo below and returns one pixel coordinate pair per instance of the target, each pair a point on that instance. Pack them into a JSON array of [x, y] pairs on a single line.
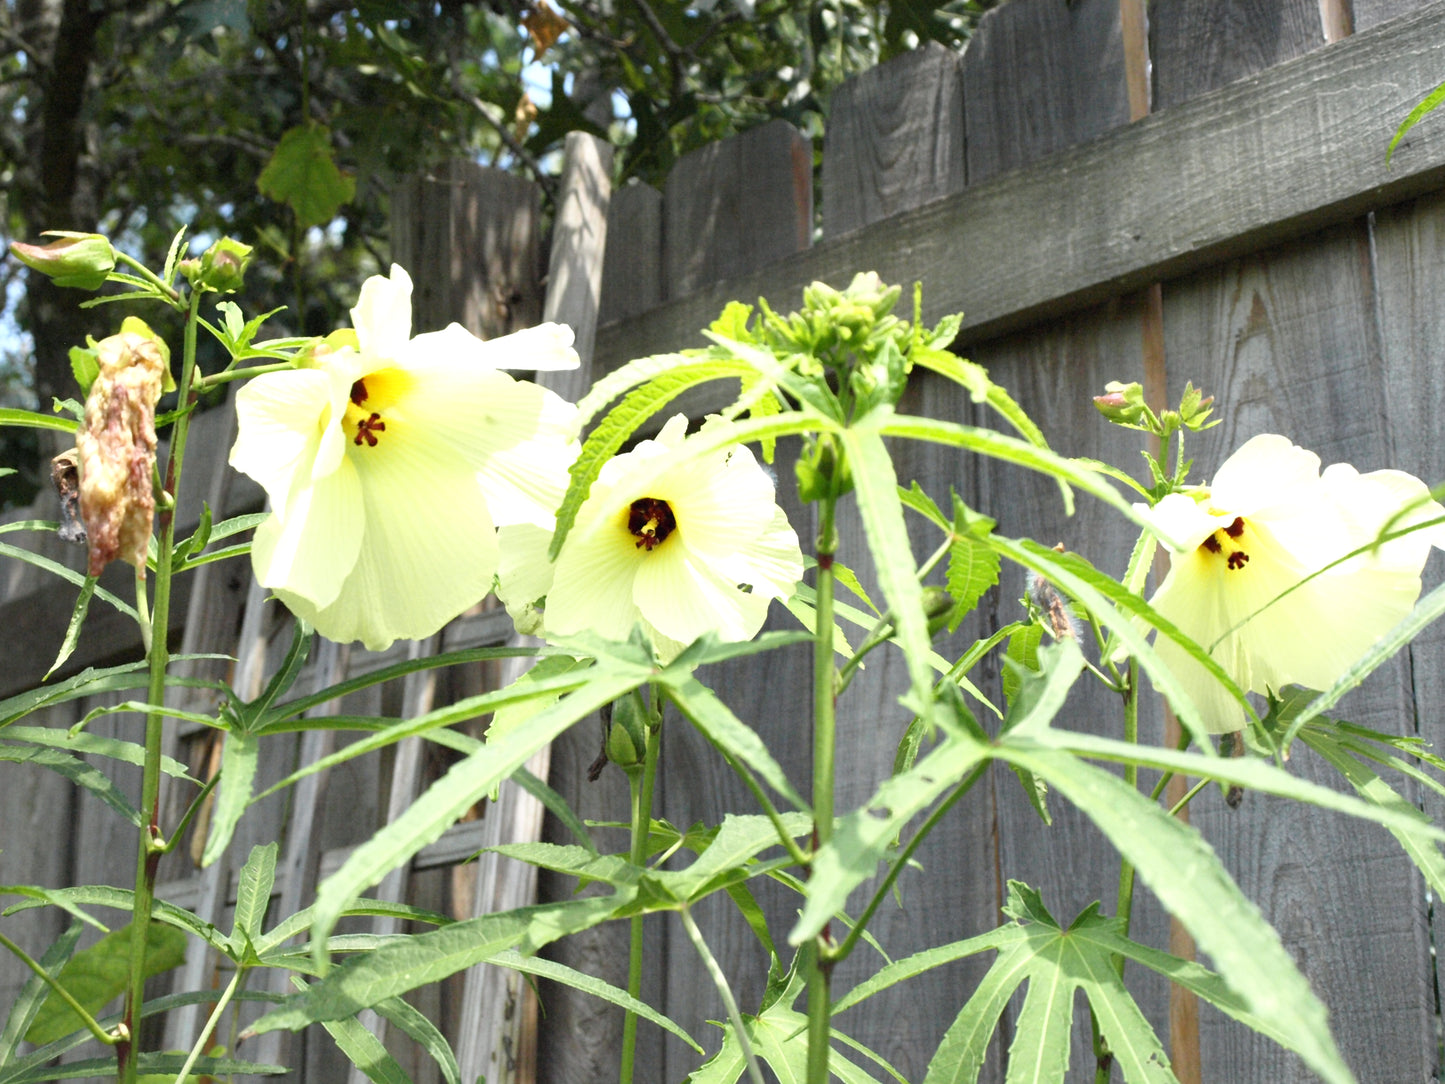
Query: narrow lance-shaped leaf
[[456, 792], [239, 758], [253, 896]]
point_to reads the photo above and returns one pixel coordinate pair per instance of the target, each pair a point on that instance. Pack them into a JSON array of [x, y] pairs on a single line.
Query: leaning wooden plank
[[1264, 159]]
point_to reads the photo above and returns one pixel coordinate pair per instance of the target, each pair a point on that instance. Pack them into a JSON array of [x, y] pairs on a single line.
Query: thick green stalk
[[641, 785], [820, 964], [148, 852], [1131, 776]]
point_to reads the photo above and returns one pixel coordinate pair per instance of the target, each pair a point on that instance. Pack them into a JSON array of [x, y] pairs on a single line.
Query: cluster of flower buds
[[1123, 404], [221, 268]]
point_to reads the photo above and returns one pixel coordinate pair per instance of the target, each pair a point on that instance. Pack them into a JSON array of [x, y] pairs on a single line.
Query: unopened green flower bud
[[627, 737], [81, 260], [222, 267], [937, 605], [1123, 404], [822, 468], [868, 289]]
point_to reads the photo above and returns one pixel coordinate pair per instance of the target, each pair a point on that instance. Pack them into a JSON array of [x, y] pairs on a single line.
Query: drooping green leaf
[[30, 419], [84, 742], [72, 631], [69, 575], [701, 707], [166, 1066], [509, 717], [1433, 99], [363, 1049], [738, 839], [33, 994], [427, 1035], [981, 389], [447, 799], [407, 963], [861, 838], [919, 962], [302, 174], [119, 899], [95, 975], [239, 759], [77, 771], [253, 896]]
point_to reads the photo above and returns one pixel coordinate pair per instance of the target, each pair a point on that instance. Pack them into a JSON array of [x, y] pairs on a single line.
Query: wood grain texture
[[1368, 13], [632, 264], [1288, 342], [470, 238], [1198, 47], [1274, 156], [894, 139], [735, 206], [1039, 76]]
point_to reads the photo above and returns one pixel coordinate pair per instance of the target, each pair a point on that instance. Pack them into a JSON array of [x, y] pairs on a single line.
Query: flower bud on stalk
[[82, 260], [118, 447], [221, 267]]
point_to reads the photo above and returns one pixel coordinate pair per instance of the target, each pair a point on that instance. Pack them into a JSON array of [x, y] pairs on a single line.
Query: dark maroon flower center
[[650, 521]]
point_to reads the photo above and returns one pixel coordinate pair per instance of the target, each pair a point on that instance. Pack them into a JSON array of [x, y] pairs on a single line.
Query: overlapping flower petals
[[1261, 616], [389, 465]]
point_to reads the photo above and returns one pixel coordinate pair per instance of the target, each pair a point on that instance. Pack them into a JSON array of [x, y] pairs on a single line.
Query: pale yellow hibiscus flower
[[391, 460], [680, 545], [1267, 521]]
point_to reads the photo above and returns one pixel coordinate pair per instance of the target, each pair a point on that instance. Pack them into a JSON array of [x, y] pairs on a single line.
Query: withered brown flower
[[118, 449]]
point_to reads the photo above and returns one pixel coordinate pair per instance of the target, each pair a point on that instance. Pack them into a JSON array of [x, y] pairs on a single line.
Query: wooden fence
[[1196, 195]]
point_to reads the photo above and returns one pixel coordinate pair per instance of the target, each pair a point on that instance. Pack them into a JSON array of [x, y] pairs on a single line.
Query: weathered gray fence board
[[1286, 341], [470, 239], [1015, 63], [1197, 47], [894, 140], [1368, 13], [632, 262], [1273, 156], [736, 205]]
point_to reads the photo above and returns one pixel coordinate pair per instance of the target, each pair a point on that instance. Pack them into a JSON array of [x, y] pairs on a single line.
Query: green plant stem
[[820, 966], [1131, 776], [60, 991], [149, 849], [725, 992], [235, 984], [641, 784], [150, 276], [1189, 797], [215, 380]]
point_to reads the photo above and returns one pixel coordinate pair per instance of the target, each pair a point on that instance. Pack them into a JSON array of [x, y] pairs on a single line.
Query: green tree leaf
[[95, 975], [302, 174]]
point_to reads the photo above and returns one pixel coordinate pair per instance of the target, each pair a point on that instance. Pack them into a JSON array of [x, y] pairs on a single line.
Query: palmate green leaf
[[876, 489], [127, 752], [77, 771], [452, 795], [33, 994], [701, 707], [403, 964], [1188, 878], [253, 896], [95, 975], [119, 899], [861, 839], [1424, 613], [302, 174], [239, 759]]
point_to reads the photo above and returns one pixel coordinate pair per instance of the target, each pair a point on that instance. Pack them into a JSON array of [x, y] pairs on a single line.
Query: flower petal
[[428, 549], [771, 565], [309, 549], [683, 598], [279, 418], [382, 316], [544, 348], [1264, 471], [592, 583]]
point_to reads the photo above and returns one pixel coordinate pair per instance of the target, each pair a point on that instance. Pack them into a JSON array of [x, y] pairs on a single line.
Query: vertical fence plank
[[895, 139], [728, 208], [736, 205], [632, 264], [1038, 77], [1288, 342], [1020, 56], [470, 238]]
